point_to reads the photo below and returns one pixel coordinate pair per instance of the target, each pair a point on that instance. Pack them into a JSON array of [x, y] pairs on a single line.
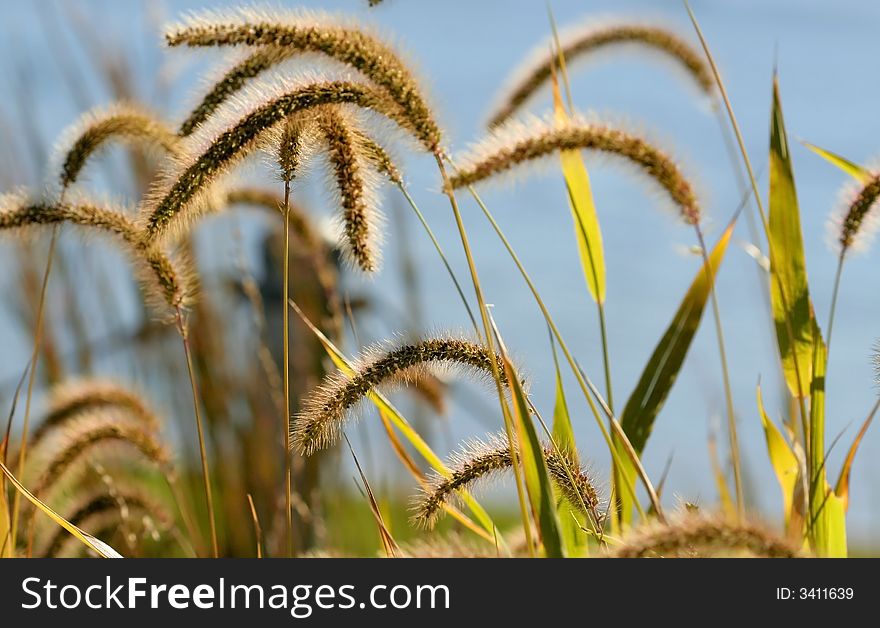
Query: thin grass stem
[[206, 476]]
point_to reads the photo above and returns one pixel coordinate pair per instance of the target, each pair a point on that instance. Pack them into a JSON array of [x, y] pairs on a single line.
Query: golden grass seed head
[[327, 407], [72, 398], [303, 32], [587, 39], [700, 534], [231, 82], [522, 142], [95, 429], [232, 134], [361, 218], [121, 122], [856, 223], [167, 282], [481, 460]]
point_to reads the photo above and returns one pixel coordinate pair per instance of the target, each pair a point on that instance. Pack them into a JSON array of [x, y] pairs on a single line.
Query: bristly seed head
[[166, 281], [480, 460], [519, 143], [303, 32], [326, 408], [182, 190], [697, 534], [857, 222], [96, 128], [587, 39]]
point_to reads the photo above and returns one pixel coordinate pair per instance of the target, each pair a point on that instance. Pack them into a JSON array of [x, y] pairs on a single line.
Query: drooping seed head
[[327, 407], [72, 398], [91, 431], [125, 501], [584, 41], [166, 281], [355, 185], [233, 133], [855, 224], [96, 129], [698, 534], [302, 32], [482, 460], [519, 143]]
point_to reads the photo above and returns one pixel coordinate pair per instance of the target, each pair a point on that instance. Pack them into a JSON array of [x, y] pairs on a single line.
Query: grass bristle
[[699, 534], [519, 143], [590, 38], [481, 460], [855, 225], [121, 122], [234, 132], [306, 31], [167, 281], [326, 408]]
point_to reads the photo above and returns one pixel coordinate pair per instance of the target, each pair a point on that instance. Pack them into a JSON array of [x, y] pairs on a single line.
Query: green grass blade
[[782, 459], [827, 528], [789, 292], [849, 167], [535, 473], [662, 369]]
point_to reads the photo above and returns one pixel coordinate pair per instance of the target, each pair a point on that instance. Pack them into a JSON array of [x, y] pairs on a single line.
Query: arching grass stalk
[[758, 201], [490, 345], [579, 376], [725, 376], [440, 252], [834, 293], [288, 489], [35, 355], [206, 476]]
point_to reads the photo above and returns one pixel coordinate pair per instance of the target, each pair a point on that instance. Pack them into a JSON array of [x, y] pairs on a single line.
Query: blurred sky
[[826, 54]]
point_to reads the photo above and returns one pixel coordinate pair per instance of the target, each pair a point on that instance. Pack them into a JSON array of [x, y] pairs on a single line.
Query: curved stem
[[606, 362], [206, 476], [487, 328], [442, 255], [586, 387], [834, 294], [288, 489], [725, 375], [35, 355]]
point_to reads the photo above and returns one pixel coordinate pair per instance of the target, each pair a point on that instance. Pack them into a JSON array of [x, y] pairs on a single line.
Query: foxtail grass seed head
[[327, 407], [91, 431], [588, 39], [232, 134], [167, 282], [361, 218], [121, 122], [315, 32], [231, 82], [69, 399], [481, 460], [126, 500], [520, 143], [855, 225], [697, 534]]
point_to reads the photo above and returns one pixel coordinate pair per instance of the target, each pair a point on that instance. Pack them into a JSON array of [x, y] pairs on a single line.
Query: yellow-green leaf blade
[[842, 487], [849, 167], [789, 292], [662, 369], [782, 459], [535, 473], [583, 212]]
